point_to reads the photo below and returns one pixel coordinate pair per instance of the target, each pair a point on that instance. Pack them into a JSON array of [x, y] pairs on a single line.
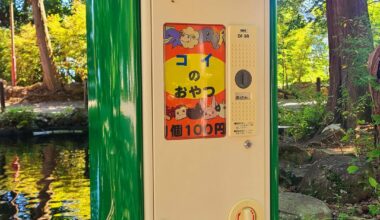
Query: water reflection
[[44, 179]]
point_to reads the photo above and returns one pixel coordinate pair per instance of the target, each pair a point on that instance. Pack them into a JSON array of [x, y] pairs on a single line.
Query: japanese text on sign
[[194, 57]]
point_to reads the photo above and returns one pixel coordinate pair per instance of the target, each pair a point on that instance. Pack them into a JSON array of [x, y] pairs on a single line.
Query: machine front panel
[[209, 164]]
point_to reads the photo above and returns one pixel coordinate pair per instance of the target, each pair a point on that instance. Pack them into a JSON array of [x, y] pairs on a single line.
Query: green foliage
[[373, 182], [23, 11], [364, 143], [68, 35], [348, 136], [349, 109], [27, 56], [58, 7], [18, 118], [5, 57], [374, 209], [302, 44], [343, 216], [305, 121], [355, 50], [376, 119], [373, 154], [374, 14], [352, 169], [304, 92], [68, 38]]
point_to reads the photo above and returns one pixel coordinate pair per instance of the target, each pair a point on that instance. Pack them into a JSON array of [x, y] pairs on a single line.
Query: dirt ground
[[48, 107]]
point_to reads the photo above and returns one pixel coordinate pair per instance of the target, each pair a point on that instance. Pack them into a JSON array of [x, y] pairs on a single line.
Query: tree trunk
[[283, 68], [374, 69], [46, 54], [42, 211], [349, 31]]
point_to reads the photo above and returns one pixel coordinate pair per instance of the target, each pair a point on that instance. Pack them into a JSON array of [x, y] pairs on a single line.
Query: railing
[[318, 84], [2, 96]]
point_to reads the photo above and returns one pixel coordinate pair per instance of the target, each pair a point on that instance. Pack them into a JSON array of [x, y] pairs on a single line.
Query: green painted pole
[[274, 112], [115, 106]]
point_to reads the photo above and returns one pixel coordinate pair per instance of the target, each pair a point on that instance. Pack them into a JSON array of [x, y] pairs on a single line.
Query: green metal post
[[274, 109], [115, 108]]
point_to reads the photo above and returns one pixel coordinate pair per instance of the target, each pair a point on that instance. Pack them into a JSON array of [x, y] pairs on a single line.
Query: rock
[[299, 172], [365, 209], [74, 89], [294, 154], [329, 180], [292, 175], [315, 143], [332, 133], [281, 189], [332, 128], [297, 206], [318, 154], [359, 211], [285, 176], [355, 218]]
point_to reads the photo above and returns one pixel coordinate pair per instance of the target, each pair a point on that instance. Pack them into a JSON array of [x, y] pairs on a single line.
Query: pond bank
[[24, 121]]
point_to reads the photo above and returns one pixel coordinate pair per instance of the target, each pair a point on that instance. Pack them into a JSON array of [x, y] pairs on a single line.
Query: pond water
[[44, 178]]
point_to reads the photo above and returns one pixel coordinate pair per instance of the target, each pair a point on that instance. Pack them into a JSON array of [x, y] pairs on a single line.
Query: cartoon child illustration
[[208, 35], [180, 113], [210, 111], [172, 36], [222, 37], [202, 110], [196, 112], [170, 113], [221, 109], [189, 37]]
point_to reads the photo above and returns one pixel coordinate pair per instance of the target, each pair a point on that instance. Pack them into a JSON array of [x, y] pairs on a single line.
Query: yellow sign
[[194, 81]]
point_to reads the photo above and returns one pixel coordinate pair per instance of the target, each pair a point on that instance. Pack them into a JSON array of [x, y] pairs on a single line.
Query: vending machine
[[182, 109]]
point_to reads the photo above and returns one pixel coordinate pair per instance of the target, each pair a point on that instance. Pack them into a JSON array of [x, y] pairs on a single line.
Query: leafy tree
[[58, 7], [23, 10], [68, 39], [374, 14], [28, 62], [308, 58], [350, 43], [5, 57], [49, 69], [302, 43], [69, 43]]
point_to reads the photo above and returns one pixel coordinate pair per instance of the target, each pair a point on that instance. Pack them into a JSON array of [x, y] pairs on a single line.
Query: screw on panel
[[247, 144]]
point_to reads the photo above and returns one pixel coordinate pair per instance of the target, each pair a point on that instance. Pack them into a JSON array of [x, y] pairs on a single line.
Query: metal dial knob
[[243, 79]]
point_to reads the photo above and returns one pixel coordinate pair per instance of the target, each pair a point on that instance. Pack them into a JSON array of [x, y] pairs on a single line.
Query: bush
[[68, 37], [307, 120], [18, 118]]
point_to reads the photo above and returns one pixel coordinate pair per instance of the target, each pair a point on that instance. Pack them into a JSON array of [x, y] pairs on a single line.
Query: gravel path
[[49, 107]]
